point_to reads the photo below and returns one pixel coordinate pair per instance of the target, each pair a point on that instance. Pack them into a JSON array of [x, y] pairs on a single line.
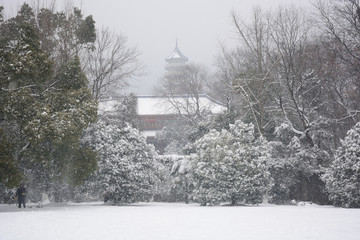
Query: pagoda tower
[[175, 60]]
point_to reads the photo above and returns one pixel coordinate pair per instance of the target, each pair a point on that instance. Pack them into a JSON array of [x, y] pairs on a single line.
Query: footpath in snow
[[162, 221]]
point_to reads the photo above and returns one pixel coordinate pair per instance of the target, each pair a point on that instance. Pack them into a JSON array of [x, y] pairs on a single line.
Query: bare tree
[[299, 85], [183, 88], [247, 70], [340, 22], [273, 70], [228, 63], [111, 64]]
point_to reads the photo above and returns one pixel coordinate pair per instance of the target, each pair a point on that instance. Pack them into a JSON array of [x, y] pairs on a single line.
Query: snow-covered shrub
[[182, 182], [343, 177], [231, 166], [127, 164], [7, 195], [283, 174], [174, 182], [162, 185], [173, 137], [295, 168]]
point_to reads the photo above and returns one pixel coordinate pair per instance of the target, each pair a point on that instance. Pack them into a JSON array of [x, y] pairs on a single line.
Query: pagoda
[[175, 60]]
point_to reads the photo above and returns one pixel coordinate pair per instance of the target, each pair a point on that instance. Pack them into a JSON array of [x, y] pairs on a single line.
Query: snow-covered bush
[[127, 164], [295, 168], [7, 195], [231, 166], [343, 177], [174, 182], [283, 172], [173, 137], [182, 181]]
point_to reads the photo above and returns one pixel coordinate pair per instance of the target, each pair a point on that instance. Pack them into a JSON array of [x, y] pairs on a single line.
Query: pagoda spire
[[176, 55]]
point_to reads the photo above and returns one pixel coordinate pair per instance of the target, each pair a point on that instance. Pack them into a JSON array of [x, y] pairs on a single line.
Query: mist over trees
[[290, 85]]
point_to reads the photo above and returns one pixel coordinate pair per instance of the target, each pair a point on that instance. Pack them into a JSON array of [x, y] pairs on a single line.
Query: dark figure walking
[[21, 193], [106, 197]]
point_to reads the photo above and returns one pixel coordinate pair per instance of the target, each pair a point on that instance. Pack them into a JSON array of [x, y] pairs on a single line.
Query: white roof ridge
[[176, 54]]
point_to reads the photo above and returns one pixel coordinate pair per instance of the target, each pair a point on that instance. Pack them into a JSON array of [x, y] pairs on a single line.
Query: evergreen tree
[[231, 166], [173, 137], [9, 172], [65, 34], [182, 182], [125, 112], [126, 165], [43, 114], [86, 31], [343, 177], [1, 14], [24, 69], [296, 167]]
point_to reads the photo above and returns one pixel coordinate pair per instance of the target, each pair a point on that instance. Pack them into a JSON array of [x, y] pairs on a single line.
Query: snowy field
[[160, 221]]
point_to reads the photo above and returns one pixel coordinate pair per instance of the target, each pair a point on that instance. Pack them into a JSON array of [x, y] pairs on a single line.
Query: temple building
[[154, 111]]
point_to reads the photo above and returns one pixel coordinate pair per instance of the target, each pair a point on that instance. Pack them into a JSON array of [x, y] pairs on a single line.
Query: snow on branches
[[231, 166], [343, 177], [127, 165]]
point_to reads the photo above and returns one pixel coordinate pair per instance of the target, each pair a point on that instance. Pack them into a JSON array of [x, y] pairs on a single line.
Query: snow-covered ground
[[161, 221]]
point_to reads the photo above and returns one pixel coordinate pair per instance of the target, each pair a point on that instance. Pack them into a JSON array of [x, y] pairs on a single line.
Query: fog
[[153, 26]]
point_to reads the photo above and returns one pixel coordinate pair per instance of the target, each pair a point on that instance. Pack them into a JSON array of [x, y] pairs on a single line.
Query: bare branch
[[111, 64]]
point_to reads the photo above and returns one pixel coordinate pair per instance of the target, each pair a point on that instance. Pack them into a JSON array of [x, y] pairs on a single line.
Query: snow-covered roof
[[156, 105], [176, 54], [149, 133]]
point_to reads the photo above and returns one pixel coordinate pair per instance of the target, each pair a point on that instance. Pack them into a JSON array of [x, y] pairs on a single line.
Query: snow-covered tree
[[65, 34], [340, 24], [296, 167], [343, 177], [174, 182], [162, 185], [43, 112], [126, 169], [174, 137], [181, 172], [231, 166], [9, 172], [1, 14], [124, 112]]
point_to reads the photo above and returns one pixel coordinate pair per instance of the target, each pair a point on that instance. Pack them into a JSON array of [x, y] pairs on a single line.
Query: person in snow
[[106, 197], [21, 194]]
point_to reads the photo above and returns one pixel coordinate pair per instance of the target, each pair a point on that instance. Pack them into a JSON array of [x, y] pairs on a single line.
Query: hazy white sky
[[154, 25]]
